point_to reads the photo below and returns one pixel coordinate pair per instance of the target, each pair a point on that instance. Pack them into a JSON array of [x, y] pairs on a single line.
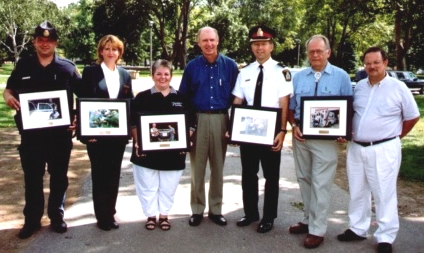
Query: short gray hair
[[319, 36]]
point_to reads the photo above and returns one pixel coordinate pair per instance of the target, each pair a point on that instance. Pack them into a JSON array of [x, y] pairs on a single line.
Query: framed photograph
[[163, 131], [103, 118], [254, 125], [326, 117], [44, 109]]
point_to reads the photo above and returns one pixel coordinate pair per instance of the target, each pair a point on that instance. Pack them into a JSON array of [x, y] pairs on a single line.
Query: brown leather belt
[[366, 144]]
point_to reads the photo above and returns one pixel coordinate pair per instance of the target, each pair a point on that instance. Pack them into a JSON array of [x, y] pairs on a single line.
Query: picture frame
[[252, 125], [326, 117], [47, 109], [103, 118], [160, 131]]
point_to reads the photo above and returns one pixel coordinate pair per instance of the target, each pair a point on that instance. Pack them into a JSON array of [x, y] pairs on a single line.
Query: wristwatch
[[283, 130], [294, 124]]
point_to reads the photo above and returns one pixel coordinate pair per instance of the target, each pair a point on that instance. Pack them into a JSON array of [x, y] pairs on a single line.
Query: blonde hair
[[114, 41]]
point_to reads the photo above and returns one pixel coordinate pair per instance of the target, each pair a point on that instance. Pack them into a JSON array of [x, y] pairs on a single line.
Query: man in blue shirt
[[208, 81], [315, 160]]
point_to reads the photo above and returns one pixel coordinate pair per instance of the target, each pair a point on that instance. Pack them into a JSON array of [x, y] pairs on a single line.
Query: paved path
[[84, 236]]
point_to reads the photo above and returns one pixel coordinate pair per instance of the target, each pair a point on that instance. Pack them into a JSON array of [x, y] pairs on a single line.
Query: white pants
[[156, 189], [374, 169]]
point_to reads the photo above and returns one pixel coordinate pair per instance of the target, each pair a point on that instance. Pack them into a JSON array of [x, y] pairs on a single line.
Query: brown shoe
[[312, 241], [299, 228]]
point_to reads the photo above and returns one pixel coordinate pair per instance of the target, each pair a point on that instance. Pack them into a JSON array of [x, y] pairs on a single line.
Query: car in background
[[409, 78]]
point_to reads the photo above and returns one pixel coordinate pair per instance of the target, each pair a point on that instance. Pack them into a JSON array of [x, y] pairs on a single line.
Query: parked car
[[409, 78], [43, 111]]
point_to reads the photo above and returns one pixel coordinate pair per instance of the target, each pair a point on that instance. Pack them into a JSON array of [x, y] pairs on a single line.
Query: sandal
[[151, 223], [164, 224]]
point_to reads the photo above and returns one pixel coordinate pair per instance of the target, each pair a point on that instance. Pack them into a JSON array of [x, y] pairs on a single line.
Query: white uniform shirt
[[274, 84], [112, 80], [380, 109]]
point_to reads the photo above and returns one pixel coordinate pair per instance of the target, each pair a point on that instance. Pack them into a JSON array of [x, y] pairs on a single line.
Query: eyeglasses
[[318, 52], [368, 64]]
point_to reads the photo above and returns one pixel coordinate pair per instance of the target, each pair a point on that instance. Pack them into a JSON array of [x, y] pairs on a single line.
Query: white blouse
[[112, 80]]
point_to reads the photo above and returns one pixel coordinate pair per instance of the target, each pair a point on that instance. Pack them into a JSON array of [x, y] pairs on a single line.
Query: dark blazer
[[94, 83]]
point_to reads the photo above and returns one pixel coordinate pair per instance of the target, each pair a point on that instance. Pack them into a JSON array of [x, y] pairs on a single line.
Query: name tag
[[26, 77]]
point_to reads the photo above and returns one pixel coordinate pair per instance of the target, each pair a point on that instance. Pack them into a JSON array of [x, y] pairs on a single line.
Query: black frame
[[179, 120], [123, 132], [62, 108], [313, 130], [241, 113]]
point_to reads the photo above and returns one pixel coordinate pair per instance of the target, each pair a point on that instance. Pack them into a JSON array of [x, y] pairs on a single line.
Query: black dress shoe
[[265, 226], [195, 220], [245, 221], [28, 229], [104, 225], [59, 226], [349, 236], [217, 219], [114, 224], [384, 247]]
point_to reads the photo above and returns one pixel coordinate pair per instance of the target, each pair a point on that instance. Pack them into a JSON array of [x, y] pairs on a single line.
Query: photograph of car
[[43, 110]]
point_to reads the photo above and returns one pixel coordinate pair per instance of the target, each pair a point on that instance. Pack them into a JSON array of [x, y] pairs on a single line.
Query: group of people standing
[[385, 111]]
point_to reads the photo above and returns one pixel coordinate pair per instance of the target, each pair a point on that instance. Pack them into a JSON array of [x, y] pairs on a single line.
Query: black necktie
[[258, 89]]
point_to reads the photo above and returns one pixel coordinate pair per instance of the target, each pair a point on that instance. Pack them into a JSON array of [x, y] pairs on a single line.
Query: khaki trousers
[[210, 144]]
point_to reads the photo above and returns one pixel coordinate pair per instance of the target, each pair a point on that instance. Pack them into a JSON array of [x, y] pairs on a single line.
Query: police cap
[[261, 33], [46, 30]]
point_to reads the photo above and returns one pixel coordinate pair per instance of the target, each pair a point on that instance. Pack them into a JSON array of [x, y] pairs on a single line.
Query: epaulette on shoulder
[[281, 65], [66, 60], [242, 66]]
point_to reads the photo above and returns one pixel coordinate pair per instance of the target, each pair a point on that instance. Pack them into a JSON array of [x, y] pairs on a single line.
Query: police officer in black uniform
[[44, 71]]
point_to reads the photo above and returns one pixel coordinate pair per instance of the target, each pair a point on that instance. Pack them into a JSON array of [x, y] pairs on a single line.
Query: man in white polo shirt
[[385, 111]]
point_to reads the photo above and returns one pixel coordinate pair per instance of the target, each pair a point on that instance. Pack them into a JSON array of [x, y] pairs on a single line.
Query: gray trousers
[[316, 164]]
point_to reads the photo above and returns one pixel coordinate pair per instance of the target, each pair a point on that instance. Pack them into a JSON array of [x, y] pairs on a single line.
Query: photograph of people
[[106, 80], [156, 179]]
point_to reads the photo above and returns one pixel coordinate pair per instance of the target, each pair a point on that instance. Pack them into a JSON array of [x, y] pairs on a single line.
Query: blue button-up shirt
[[209, 85], [334, 81]]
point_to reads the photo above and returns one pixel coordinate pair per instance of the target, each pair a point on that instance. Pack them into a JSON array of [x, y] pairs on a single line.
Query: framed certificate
[[103, 118], [254, 125], [326, 117], [163, 131], [44, 109]]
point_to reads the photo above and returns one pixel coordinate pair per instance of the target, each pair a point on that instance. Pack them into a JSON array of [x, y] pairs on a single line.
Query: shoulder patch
[[287, 75]]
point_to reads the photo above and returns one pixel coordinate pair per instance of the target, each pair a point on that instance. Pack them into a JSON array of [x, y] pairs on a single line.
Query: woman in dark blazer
[[106, 80]]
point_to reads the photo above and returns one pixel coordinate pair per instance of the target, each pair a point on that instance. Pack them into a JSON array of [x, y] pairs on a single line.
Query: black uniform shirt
[[30, 76], [153, 101]]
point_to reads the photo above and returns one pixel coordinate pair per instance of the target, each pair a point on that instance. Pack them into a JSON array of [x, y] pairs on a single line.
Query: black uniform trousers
[[106, 160], [251, 156], [36, 150]]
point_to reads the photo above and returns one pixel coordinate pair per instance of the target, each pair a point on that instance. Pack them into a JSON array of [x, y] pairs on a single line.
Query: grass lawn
[[412, 168]]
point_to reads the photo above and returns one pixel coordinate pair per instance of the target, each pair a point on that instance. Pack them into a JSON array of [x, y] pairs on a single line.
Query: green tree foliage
[[17, 24], [122, 18], [408, 26], [79, 42]]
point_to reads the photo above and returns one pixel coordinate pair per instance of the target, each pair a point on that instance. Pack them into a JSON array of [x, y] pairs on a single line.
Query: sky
[[63, 3]]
